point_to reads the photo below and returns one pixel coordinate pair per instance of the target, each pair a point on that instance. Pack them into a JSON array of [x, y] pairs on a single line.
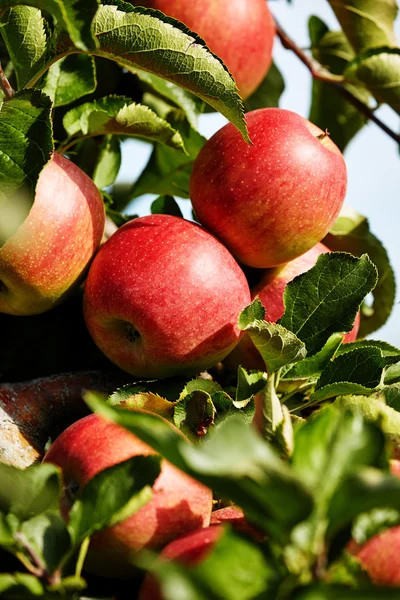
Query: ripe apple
[[179, 503], [51, 250], [163, 298], [188, 550], [241, 32], [271, 201], [270, 289]]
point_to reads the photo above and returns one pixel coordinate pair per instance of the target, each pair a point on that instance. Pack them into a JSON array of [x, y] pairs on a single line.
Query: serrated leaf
[[47, 534], [148, 401], [113, 495], [168, 171], [329, 109], [253, 312], [166, 205], [25, 34], [30, 492], [191, 106], [249, 383], [207, 386], [313, 366], [326, 299], [278, 346], [385, 348], [108, 162], [169, 389], [25, 147], [268, 94], [351, 233], [143, 39], [391, 394], [196, 413], [371, 523], [362, 366], [235, 569], [249, 472], [116, 115], [74, 15], [69, 79]]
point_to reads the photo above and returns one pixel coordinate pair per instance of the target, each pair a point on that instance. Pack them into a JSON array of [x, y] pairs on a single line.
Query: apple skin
[[52, 248], [271, 201], [270, 290], [163, 298], [380, 555], [241, 32], [188, 550], [179, 504]]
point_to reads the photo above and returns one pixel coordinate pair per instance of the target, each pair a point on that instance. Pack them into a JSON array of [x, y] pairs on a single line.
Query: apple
[[163, 298], [188, 550], [52, 248], [380, 555], [179, 503], [234, 516], [271, 201], [270, 290], [241, 32]]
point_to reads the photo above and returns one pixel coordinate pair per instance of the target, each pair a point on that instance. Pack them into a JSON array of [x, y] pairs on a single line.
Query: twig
[[336, 81], [5, 85]]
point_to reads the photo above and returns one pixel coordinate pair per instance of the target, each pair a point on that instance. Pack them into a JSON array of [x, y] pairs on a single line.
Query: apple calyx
[[131, 333]]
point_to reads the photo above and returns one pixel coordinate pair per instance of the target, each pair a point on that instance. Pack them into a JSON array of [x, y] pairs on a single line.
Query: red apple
[[163, 297], [179, 503], [241, 32], [271, 201], [270, 290], [234, 516], [380, 555], [51, 250], [188, 550]]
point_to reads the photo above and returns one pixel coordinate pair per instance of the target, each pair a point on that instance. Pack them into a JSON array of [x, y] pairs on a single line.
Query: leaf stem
[[81, 557], [336, 81], [5, 85], [37, 566]]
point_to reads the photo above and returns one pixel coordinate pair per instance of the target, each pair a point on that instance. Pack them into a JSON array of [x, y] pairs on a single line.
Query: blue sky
[[372, 157]]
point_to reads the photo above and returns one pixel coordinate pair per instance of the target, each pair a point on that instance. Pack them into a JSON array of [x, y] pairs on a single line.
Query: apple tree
[[297, 428]]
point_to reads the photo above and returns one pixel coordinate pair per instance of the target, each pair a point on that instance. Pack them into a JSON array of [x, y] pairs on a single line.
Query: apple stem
[[5, 85], [336, 81]]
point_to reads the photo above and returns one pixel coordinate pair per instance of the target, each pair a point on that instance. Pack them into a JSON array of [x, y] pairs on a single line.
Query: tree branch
[[336, 81]]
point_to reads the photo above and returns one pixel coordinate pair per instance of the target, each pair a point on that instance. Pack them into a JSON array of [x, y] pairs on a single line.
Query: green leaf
[[195, 412], [313, 366], [249, 383], [392, 395], [73, 15], [113, 495], [206, 386], [371, 523], [170, 389], [268, 94], [166, 205], [47, 534], [143, 39], [168, 171], [253, 312], [378, 70], [108, 162], [234, 461], [235, 569], [191, 106], [25, 34], [374, 410], [362, 366], [326, 299], [25, 147], [329, 109], [360, 492], [329, 445], [20, 586], [116, 115], [69, 79], [277, 346], [351, 233], [337, 592], [367, 23], [30, 492]]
